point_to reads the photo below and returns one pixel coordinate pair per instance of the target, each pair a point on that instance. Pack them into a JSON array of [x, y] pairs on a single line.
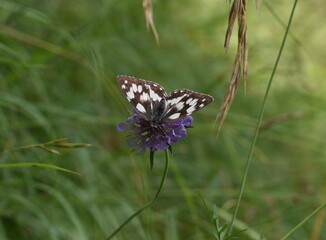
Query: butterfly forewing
[[143, 95], [184, 102]]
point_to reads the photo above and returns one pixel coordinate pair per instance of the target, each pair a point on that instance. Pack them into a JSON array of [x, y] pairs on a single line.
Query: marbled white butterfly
[[155, 105]]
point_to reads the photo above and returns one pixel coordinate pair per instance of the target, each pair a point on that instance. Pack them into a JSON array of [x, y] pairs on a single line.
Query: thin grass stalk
[[262, 110], [165, 172], [303, 221], [35, 165]]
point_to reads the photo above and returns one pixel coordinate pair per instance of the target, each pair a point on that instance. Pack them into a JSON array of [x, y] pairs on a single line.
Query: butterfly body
[[155, 105]]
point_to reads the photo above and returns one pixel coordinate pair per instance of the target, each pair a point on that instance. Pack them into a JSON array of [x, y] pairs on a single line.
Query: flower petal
[[122, 127], [187, 121]]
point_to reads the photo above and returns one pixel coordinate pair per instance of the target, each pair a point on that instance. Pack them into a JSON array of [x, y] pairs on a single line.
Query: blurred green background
[[59, 62]]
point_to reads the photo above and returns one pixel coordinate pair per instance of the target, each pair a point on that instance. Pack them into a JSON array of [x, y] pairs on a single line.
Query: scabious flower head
[[143, 135]]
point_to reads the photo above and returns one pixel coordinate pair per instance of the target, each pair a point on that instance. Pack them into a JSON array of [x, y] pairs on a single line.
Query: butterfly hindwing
[[143, 95], [184, 102]]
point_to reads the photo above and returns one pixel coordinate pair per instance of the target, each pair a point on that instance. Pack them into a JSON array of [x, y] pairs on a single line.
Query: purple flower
[[143, 135]]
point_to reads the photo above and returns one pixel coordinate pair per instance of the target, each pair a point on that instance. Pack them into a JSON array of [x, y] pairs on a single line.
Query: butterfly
[[155, 105]]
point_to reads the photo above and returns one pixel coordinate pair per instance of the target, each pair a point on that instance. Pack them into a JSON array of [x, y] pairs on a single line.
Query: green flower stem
[[148, 204], [262, 110]]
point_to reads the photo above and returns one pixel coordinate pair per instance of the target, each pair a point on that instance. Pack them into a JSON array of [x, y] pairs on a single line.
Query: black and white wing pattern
[[184, 102], [151, 101], [145, 96]]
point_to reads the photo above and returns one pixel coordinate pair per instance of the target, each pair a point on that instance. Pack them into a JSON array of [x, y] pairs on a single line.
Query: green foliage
[[58, 64]]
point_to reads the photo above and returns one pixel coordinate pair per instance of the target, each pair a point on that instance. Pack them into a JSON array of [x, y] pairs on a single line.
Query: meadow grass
[[59, 62]]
